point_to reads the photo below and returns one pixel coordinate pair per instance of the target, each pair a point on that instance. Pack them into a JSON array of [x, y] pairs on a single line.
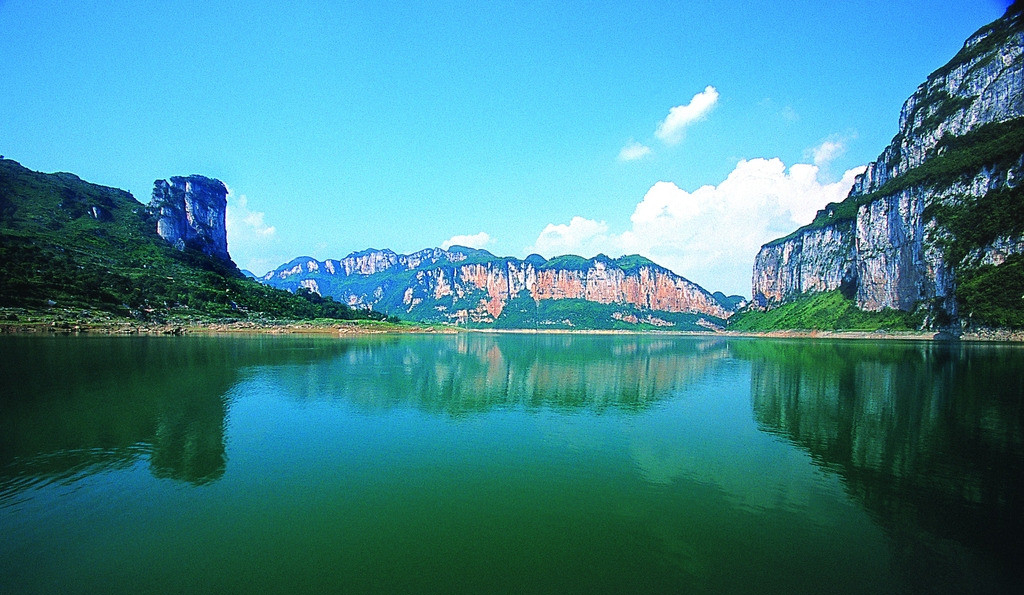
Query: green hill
[[69, 244]]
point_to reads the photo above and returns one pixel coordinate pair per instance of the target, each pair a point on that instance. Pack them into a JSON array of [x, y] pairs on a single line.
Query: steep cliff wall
[[817, 260], [898, 265], [897, 241], [191, 213], [463, 285]]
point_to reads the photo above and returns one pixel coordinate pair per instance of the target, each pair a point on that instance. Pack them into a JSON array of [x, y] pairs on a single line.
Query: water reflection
[[71, 406], [928, 437], [474, 373], [75, 406], [578, 461]]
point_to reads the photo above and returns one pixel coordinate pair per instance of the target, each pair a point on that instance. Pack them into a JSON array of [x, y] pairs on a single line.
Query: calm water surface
[[509, 464]]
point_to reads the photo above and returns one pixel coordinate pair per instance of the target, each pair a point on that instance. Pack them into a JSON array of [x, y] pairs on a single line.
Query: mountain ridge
[[473, 286]]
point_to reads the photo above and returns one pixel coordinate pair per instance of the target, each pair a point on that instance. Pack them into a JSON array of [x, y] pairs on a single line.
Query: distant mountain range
[[67, 243], [473, 287]]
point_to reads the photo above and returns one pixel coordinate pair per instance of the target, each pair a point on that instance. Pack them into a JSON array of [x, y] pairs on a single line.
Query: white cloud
[[712, 234], [250, 239], [474, 241], [581, 236], [634, 151], [827, 151], [670, 130]]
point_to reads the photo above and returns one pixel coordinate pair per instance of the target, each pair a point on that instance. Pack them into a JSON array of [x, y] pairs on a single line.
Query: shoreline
[[287, 328], [71, 324], [16, 321], [988, 335], [127, 327]]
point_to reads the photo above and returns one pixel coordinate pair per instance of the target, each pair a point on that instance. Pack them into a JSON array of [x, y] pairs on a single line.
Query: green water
[[509, 464]]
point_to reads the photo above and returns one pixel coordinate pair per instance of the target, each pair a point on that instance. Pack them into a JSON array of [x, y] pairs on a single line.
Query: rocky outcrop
[[959, 141], [464, 285], [818, 260], [898, 266], [191, 213]]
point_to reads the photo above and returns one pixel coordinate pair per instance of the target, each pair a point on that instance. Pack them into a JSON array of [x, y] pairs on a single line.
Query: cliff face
[[463, 285], [895, 241], [818, 260], [191, 213]]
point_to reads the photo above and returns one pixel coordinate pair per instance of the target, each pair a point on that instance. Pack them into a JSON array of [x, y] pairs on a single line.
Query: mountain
[[474, 287], [935, 226], [69, 244], [192, 212]]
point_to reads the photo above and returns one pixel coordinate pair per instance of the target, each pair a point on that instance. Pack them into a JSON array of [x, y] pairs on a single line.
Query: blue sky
[[690, 132]]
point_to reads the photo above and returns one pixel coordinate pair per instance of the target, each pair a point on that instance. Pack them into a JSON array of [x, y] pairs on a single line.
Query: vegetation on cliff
[[936, 221], [68, 243], [990, 295], [995, 145], [829, 310], [472, 287]]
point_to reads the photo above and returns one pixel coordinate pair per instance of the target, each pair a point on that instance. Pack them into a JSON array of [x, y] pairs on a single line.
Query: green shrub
[[828, 310], [993, 296]]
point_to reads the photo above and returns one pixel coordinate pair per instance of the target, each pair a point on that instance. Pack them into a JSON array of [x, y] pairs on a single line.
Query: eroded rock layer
[[467, 285]]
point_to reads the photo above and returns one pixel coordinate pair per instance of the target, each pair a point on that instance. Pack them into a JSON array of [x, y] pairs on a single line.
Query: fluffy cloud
[[824, 153], [634, 151], [474, 241], [581, 236], [670, 130], [712, 234], [250, 239]]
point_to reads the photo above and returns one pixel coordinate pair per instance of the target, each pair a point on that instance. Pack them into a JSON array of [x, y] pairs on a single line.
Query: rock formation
[[191, 213], [888, 245], [465, 285]]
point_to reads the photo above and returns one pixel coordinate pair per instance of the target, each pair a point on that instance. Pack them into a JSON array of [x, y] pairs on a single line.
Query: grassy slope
[[823, 311], [54, 252], [523, 312]]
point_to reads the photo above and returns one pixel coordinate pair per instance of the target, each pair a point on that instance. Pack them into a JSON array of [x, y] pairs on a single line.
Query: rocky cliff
[[463, 285], [190, 213], [941, 200]]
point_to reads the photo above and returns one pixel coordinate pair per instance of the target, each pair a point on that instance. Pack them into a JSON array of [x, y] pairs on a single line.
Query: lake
[[478, 463]]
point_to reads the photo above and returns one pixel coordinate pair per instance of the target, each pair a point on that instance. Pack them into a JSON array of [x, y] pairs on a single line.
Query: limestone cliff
[[473, 286], [191, 213], [907, 230]]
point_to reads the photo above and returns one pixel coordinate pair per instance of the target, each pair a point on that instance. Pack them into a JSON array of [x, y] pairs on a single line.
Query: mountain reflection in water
[[705, 462], [463, 374], [79, 405], [73, 406], [927, 436]]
